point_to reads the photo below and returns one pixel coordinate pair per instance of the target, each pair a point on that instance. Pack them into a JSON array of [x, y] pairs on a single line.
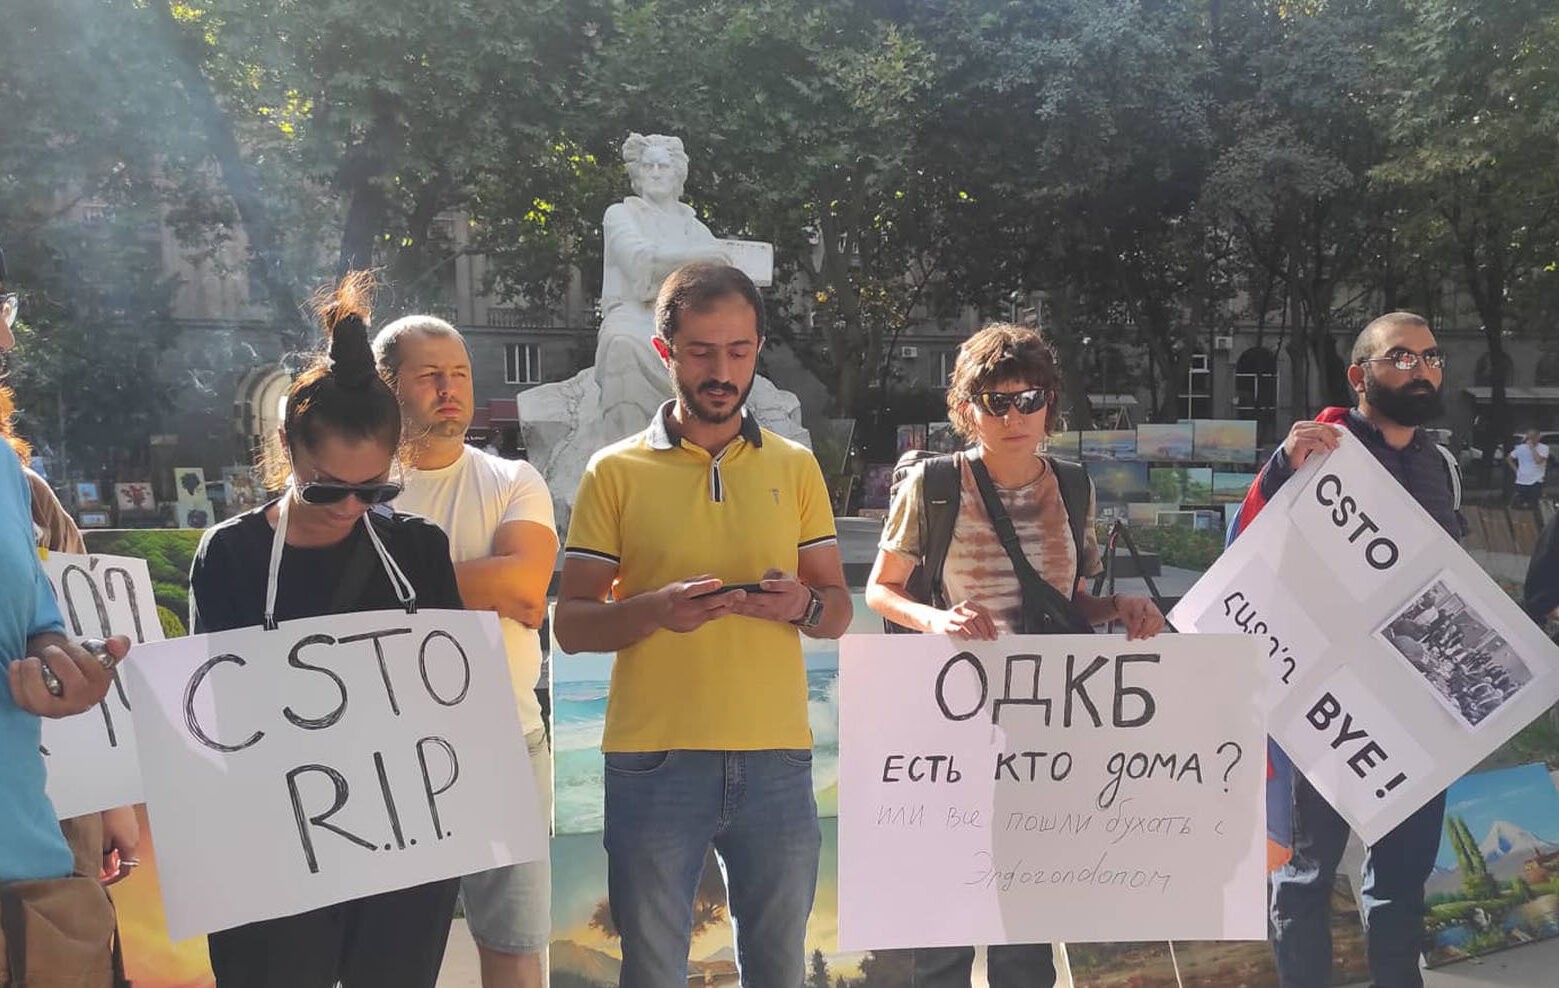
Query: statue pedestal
[[563, 426]]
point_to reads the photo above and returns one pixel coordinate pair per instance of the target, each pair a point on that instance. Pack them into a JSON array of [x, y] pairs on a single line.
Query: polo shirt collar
[[662, 433]]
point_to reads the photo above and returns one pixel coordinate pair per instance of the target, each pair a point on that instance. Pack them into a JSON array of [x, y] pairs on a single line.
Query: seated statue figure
[[647, 236]]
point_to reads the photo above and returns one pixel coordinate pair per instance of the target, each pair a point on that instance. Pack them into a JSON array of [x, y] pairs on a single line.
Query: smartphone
[[749, 587]]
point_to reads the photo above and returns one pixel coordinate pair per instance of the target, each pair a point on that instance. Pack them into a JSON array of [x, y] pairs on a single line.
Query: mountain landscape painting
[[1496, 881]]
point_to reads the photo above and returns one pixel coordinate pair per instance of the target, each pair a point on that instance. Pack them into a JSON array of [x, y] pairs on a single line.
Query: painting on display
[[941, 437], [1496, 880], [911, 437], [1230, 488], [1225, 441], [1066, 445], [134, 496], [1109, 444], [1165, 442], [194, 506], [1119, 480]]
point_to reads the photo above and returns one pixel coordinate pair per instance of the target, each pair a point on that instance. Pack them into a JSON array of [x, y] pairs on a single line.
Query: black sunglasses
[[321, 492], [996, 403]]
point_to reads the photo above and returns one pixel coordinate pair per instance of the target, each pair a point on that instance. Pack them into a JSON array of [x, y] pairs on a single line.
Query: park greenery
[[1146, 172]]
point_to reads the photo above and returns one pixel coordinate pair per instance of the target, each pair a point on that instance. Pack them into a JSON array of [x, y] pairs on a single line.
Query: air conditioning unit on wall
[[1223, 343], [909, 352]]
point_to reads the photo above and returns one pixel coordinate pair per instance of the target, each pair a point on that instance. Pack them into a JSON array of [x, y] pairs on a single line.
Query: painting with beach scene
[[586, 950], [1224, 441], [579, 689], [1170, 442], [1110, 444], [1495, 882]]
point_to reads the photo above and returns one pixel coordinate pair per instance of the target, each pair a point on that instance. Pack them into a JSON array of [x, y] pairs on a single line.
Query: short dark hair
[[1364, 343], [340, 393], [694, 287], [1002, 352], [387, 345]]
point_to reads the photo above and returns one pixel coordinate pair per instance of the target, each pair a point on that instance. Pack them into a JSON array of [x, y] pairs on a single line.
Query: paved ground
[[1532, 966]]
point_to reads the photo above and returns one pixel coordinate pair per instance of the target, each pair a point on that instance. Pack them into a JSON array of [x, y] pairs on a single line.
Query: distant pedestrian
[[1530, 461]]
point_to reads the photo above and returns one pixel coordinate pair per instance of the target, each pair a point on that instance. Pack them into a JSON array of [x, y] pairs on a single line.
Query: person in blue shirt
[[32, 636]]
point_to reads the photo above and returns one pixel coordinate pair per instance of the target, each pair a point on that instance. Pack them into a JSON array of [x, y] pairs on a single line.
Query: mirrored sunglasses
[[996, 403], [322, 492]]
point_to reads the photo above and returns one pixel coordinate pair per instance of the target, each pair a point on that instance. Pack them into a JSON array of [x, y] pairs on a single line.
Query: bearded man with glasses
[[1396, 373]]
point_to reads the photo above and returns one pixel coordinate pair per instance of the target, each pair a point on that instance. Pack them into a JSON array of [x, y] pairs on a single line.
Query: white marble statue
[[647, 236]]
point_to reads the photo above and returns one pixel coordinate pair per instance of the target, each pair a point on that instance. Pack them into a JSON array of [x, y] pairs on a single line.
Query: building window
[[1196, 401], [944, 367], [521, 363], [1547, 370], [1256, 389]]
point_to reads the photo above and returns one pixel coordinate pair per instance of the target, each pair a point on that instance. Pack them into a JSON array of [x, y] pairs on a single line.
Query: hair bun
[[351, 358]]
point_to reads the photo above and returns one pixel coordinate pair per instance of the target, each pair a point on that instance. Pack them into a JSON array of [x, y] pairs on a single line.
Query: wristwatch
[[813, 615]]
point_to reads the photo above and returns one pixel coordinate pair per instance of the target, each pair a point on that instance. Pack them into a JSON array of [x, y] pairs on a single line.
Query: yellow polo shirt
[[662, 509]]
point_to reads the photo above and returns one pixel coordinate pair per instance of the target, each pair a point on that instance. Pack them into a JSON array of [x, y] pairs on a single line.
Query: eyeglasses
[[1406, 360], [996, 403], [322, 492]]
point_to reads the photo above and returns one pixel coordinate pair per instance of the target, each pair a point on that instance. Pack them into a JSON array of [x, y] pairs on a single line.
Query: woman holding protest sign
[[996, 540], [329, 546]]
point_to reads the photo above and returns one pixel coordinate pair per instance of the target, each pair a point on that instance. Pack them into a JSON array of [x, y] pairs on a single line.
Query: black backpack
[[940, 493]]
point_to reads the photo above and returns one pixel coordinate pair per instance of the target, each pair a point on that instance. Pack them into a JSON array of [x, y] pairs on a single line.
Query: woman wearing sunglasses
[[1002, 399], [328, 545]]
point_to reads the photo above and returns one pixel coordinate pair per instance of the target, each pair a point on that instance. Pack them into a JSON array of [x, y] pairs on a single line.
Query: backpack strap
[[1455, 470], [940, 490], [1076, 493]]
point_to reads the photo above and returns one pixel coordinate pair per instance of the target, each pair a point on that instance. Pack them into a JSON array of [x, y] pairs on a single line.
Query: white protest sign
[[91, 758], [329, 759], [1065, 787], [1394, 663]]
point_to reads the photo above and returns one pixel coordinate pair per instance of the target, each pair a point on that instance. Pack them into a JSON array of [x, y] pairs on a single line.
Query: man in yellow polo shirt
[[699, 551]]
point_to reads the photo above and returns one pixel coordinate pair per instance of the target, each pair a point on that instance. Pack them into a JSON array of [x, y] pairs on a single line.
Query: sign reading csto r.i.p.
[[1065, 787], [331, 758], [1394, 664]]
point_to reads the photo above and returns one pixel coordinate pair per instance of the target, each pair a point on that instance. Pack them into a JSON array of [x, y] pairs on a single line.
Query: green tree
[[818, 976], [1470, 109]]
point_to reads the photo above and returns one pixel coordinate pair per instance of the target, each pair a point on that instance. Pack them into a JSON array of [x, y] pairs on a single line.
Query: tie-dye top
[[977, 567]]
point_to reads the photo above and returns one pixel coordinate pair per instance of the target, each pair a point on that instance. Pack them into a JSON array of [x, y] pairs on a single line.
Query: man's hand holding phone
[[784, 599], [688, 605]]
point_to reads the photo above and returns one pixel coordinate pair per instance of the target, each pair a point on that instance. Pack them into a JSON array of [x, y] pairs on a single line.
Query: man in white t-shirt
[[498, 516], [1530, 460]]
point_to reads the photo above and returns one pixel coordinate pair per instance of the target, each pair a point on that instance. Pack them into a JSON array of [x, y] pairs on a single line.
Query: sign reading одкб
[[1066, 787]]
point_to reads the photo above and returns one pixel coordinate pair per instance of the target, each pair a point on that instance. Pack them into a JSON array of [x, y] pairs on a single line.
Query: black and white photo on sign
[[1471, 669]]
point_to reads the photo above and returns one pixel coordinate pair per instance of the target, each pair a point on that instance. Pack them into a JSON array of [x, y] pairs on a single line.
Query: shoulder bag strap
[[360, 565], [1028, 578], [1072, 479]]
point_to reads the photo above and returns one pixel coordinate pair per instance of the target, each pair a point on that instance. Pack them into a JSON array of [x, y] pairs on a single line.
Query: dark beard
[[687, 399], [1408, 405]]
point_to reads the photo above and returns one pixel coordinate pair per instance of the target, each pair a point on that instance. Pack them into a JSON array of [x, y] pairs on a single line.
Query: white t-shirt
[[1528, 470], [470, 499]]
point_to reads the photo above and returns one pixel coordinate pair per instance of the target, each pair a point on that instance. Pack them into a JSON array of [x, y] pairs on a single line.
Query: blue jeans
[[1395, 870], [1016, 965], [664, 810]]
